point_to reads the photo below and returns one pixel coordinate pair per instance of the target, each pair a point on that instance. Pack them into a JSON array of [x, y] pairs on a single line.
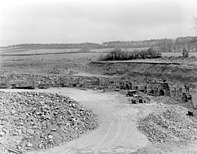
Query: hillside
[[163, 45]]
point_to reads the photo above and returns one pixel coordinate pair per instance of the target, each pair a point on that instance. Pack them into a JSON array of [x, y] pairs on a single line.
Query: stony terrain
[[168, 123], [32, 121], [116, 118]]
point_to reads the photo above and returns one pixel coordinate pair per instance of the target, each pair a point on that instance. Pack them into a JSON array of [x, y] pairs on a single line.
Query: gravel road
[[117, 132]]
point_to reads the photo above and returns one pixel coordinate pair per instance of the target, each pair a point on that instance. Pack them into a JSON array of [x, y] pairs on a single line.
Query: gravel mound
[[31, 121], [168, 123]]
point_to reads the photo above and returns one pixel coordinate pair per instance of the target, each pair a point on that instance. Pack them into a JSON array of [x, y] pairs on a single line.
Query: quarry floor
[[117, 132]]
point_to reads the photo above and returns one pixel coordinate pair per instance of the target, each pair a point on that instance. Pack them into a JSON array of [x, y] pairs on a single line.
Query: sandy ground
[[117, 132]]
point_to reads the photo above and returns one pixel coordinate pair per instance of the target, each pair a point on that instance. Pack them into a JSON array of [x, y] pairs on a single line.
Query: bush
[[118, 54]]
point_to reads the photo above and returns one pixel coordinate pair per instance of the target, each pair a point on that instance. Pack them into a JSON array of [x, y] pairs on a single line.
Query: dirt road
[[117, 132]]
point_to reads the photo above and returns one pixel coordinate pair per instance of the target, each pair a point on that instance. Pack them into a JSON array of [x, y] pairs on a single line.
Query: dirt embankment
[[170, 71]]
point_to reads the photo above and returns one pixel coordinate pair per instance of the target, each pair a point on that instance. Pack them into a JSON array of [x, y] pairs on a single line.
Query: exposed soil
[[178, 70], [117, 132], [169, 148]]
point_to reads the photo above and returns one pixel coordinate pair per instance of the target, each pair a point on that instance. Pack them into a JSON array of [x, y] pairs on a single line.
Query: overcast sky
[[66, 21]]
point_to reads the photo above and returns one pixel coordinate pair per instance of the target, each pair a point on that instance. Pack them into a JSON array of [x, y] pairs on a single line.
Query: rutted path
[[117, 132]]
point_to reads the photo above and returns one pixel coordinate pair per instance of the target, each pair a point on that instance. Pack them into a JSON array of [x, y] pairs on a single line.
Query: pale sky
[[75, 21]]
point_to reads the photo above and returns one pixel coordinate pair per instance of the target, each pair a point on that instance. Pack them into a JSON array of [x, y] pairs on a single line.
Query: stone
[[2, 134], [13, 112], [50, 136], [30, 131], [39, 114], [29, 144]]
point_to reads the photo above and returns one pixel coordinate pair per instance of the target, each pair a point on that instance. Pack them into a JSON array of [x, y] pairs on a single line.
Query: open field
[[38, 51], [41, 63]]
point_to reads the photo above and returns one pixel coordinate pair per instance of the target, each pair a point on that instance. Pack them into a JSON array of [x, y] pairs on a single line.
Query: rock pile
[[31, 121], [168, 123]]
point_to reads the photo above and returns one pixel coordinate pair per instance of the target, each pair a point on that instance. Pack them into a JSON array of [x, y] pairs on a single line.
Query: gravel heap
[[31, 121], [168, 123]]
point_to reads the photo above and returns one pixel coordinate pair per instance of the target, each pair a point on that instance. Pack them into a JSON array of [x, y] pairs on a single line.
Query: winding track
[[117, 132]]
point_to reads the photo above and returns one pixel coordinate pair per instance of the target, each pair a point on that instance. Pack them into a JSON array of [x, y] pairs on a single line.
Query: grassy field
[[39, 51], [33, 62]]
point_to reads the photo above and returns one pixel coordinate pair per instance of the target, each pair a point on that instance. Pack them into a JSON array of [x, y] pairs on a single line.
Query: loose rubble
[[31, 121], [168, 123], [154, 87], [149, 86]]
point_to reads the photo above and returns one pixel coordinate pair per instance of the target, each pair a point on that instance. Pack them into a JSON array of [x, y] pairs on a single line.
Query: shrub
[[118, 54]]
